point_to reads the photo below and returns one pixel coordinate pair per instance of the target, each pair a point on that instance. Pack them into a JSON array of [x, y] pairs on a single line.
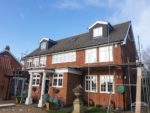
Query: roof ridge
[[122, 23]]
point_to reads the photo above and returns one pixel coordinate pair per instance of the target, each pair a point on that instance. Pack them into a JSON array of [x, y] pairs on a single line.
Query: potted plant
[[46, 101], [34, 89], [55, 91], [18, 98]]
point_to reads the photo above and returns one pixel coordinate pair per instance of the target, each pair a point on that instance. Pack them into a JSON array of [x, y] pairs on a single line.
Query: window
[[36, 80], [43, 61], [106, 54], [29, 63], [43, 45], [90, 83], [64, 57], [36, 62], [91, 55], [97, 32], [107, 84], [57, 80]]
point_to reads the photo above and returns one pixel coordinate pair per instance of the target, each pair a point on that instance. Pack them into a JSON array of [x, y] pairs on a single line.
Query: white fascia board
[[98, 22], [68, 70], [44, 39], [125, 39], [40, 70]]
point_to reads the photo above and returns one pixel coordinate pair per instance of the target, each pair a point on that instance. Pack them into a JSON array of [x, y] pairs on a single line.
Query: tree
[[146, 58]]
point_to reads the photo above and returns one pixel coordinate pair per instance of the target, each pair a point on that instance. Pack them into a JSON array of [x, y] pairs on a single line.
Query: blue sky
[[24, 22]]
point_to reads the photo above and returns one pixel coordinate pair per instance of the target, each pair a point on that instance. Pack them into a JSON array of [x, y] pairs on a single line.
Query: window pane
[[87, 85], [91, 55], [90, 83], [103, 86], [33, 82], [60, 82], [55, 75], [55, 82], [110, 87], [64, 57], [93, 86], [106, 54], [60, 75], [37, 82]]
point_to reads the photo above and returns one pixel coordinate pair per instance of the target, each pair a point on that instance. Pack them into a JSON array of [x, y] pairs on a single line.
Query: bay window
[[91, 83]]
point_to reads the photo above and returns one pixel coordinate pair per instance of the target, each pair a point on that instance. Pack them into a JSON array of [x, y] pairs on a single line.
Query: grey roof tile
[[84, 40]]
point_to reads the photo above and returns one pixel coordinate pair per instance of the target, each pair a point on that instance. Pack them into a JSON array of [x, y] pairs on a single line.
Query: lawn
[[85, 109]]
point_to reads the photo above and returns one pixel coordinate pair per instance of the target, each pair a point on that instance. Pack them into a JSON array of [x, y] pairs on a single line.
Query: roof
[[85, 40], [6, 51]]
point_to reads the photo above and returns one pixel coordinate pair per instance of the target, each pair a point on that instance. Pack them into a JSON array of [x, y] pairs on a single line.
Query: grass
[[85, 109]]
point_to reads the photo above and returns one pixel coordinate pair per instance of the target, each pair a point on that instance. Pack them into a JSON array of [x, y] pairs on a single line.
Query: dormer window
[[43, 45], [100, 29], [97, 32]]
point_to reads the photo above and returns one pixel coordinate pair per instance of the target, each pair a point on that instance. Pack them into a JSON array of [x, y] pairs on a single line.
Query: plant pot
[[47, 104], [18, 100]]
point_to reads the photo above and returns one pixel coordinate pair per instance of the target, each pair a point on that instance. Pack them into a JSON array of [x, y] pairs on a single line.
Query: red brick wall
[[103, 98], [80, 59], [6, 69]]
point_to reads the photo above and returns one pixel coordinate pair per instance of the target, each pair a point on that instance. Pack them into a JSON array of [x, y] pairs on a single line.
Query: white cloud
[[69, 4], [79, 4], [139, 13]]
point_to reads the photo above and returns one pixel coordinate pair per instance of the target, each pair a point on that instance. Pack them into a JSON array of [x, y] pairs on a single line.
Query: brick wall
[[7, 65], [80, 59]]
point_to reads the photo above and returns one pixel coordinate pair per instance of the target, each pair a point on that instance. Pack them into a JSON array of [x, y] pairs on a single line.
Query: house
[[101, 60], [8, 64]]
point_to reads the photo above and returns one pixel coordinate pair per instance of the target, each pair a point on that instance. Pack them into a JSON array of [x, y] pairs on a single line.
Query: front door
[[46, 86]]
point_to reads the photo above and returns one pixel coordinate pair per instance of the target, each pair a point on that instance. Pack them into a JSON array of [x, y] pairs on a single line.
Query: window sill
[[90, 91], [57, 86], [35, 85], [107, 92]]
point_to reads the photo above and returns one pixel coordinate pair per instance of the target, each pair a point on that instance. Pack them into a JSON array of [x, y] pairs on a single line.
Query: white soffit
[[44, 39], [98, 22], [67, 70]]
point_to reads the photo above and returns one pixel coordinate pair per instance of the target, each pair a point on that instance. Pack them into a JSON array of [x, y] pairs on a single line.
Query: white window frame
[[43, 61], [36, 77], [29, 63], [57, 78], [89, 79], [107, 78], [43, 45], [106, 54], [36, 62], [64, 57], [91, 55], [97, 31]]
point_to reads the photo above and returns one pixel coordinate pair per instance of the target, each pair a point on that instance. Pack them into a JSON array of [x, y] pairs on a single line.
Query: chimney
[[7, 48]]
